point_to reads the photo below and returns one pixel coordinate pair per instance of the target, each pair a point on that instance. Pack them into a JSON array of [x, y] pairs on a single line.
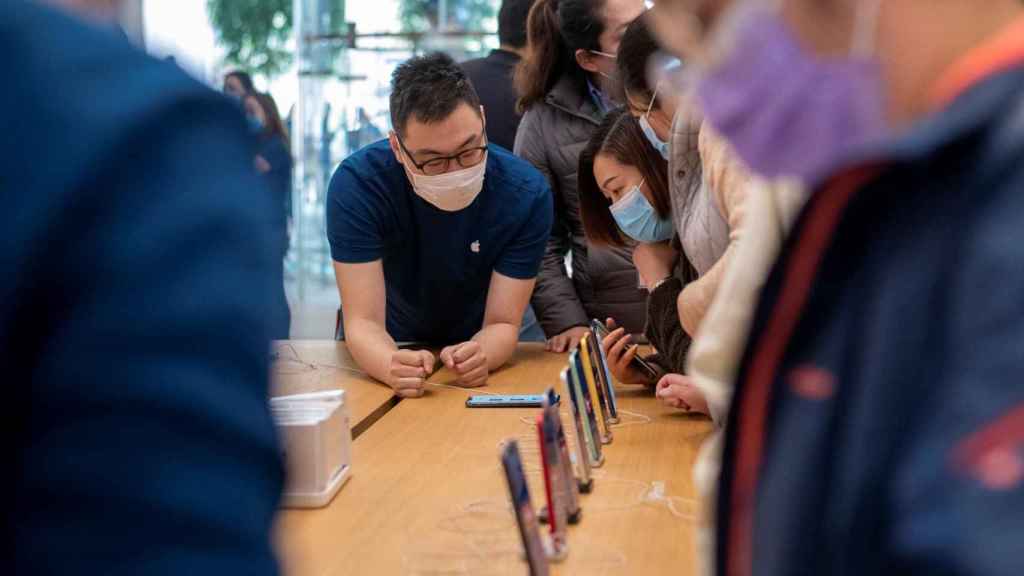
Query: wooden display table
[[428, 495]]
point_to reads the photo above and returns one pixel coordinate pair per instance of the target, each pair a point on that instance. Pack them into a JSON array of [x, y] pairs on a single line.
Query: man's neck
[[948, 30]]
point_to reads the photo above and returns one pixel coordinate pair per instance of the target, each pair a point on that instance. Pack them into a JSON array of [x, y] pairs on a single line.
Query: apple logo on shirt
[[475, 247]]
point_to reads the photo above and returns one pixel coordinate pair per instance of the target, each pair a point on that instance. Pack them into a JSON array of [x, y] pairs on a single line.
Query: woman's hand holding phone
[[620, 355]]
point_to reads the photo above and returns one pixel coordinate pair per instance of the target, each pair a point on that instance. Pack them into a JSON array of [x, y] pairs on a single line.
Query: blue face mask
[[638, 220], [255, 124], [652, 137], [648, 130]]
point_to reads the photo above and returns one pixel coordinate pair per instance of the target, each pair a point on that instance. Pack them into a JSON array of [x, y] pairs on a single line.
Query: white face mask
[[451, 191]]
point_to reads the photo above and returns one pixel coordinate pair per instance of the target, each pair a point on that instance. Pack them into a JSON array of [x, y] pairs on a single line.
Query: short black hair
[[635, 51], [429, 88], [512, 22]]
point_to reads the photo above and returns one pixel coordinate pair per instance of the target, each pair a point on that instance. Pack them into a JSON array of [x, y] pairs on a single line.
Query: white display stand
[[316, 440]]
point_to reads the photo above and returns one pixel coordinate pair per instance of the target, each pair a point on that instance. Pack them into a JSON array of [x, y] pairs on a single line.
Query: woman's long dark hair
[[275, 126], [620, 137], [555, 30]]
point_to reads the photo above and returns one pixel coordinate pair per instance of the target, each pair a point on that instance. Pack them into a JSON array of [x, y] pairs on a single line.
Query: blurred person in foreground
[[877, 421], [133, 325], [103, 12]]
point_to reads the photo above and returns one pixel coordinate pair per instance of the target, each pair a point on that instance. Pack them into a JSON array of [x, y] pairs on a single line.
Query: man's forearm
[[498, 341], [371, 346]]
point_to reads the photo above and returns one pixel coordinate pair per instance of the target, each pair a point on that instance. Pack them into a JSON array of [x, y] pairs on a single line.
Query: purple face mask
[[788, 113]]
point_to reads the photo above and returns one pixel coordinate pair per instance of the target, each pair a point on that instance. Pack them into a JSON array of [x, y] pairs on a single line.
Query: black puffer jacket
[[604, 282]]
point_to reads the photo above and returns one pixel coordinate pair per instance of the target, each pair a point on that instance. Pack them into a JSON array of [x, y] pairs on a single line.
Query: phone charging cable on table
[[304, 366]]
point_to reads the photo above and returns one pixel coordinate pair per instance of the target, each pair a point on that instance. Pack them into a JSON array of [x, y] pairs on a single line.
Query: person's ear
[[395, 148], [587, 61], [483, 115]]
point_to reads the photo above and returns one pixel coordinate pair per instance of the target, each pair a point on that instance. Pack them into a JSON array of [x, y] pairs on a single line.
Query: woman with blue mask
[[564, 92], [705, 183], [623, 186]]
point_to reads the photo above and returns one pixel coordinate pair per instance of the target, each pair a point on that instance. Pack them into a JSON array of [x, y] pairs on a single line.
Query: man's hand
[[408, 370], [654, 262], [566, 340], [678, 391], [469, 361]]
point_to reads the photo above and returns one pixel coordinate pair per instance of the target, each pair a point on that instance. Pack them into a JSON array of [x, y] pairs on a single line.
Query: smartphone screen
[[518, 490], [581, 428], [604, 377], [596, 397], [552, 482], [587, 406], [570, 488], [594, 373]]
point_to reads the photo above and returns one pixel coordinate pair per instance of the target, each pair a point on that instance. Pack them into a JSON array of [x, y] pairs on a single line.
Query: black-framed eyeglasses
[[435, 166]]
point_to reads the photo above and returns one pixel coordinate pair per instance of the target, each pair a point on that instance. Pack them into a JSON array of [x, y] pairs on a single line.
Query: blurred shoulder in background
[[492, 75]]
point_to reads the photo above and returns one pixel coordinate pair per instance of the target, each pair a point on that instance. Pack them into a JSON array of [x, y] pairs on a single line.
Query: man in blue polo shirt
[[436, 236]]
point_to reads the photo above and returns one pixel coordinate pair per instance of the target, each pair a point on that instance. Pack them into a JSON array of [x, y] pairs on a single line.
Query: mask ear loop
[[639, 191], [865, 31], [654, 98], [650, 105]]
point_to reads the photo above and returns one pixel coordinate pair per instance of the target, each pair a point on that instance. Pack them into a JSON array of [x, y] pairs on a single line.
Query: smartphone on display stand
[[570, 487], [586, 484], [529, 530], [587, 410], [556, 506], [596, 398], [604, 376]]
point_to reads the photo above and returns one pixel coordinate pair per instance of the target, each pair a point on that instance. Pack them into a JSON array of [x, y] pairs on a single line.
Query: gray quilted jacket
[[604, 283]]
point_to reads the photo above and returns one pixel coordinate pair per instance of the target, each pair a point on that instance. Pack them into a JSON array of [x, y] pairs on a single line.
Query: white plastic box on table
[[317, 444]]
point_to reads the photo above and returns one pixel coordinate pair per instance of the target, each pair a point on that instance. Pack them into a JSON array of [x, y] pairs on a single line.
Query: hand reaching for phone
[[566, 340], [679, 391], [620, 355]]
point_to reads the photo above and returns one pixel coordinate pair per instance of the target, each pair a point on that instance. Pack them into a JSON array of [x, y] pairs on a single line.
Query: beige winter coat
[[714, 357], [708, 199]]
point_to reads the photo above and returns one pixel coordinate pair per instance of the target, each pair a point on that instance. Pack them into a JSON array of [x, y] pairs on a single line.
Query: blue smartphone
[[506, 401], [519, 492]]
